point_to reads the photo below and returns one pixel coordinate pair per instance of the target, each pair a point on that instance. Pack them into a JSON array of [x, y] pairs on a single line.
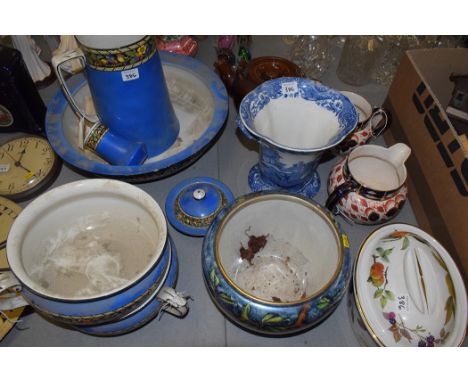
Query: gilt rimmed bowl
[[275, 263]]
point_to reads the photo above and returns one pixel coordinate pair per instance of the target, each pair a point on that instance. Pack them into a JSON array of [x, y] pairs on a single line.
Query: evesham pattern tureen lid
[[408, 289]]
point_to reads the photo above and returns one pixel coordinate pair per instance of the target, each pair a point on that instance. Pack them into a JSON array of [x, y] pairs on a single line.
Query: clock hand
[[7, 153], [17, 162], [21, 155]]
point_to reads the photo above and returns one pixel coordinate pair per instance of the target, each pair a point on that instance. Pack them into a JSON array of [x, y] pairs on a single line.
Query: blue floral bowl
[[294, 120], [275, 263]]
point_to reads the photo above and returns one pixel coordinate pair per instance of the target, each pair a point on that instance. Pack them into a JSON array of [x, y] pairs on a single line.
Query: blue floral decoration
[[323, 96]]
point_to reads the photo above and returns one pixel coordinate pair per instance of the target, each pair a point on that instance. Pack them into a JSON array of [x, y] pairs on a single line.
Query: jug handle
[[380, 127], [338, 193], [174, 302], [57, 62], [242, 128]]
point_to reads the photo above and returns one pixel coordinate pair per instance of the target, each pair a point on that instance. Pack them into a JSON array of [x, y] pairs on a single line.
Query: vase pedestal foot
[[258, 183]]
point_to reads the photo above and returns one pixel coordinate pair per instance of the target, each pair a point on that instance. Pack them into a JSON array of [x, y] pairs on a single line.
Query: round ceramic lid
[[408, 289], [193, 203], [265, 68]]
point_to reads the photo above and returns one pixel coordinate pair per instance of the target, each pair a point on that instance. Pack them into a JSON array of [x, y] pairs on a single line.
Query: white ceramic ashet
[[407, 290]]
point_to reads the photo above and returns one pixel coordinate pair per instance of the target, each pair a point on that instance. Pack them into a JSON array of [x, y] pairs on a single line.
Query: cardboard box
[[438, 165]]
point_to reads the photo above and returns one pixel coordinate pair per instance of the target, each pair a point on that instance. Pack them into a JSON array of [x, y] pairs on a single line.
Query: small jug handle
[[339, 192], [398, 154], [57, 62], [382, 124], [173, 302]]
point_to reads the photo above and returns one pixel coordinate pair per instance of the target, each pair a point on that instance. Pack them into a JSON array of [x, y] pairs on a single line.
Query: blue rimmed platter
[[200, 101]]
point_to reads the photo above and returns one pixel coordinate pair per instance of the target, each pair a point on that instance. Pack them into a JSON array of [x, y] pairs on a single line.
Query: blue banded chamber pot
[[299, 272], [88, 201], [143, 313], [295, 120]]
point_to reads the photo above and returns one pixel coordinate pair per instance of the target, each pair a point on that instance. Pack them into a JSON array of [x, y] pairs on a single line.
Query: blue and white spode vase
[[128, 88], [295, 120]]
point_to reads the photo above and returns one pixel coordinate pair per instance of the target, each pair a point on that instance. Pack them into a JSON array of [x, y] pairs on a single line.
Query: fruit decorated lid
[[408, 290], [192, 204]]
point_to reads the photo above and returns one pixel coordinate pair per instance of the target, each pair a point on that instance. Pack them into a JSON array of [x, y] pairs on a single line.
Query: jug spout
[[398, 154]]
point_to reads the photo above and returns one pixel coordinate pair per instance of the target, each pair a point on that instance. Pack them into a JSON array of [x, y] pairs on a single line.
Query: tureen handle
[[173, 302], [8, 281], [9, 288]]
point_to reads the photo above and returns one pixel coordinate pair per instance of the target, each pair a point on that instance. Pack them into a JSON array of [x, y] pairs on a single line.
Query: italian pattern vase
[[294, 120]]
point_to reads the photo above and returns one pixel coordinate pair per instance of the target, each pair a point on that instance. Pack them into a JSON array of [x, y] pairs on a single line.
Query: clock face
[[27, 166]]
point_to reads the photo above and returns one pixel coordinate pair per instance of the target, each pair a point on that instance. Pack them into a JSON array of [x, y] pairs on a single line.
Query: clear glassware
[[433, 41], [358, 59], [289, 39], [312, 54], [449, 41], [392, 49], [338, 40]]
